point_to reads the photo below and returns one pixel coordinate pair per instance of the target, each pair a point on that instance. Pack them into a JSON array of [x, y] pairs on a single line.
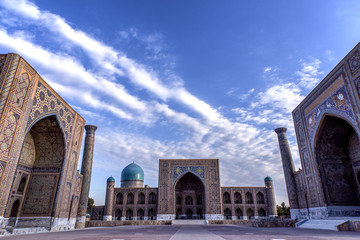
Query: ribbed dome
[[110, 179], [132, 172], [267, 179]]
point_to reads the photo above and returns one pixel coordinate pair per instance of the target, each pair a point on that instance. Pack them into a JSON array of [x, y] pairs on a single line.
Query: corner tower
[[270, 195], [109, 203]]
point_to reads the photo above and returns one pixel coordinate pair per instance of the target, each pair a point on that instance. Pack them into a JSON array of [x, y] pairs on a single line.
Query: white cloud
[[309, 74], [70, 70], [267, 69], [284, 97]]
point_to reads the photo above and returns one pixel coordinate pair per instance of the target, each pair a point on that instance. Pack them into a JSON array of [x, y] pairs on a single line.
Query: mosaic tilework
[[338, 103], [67, 197], [44, 103], [21, 89], [8, 82], [181, 170], [2, 168], [7, 133], [354, 62], [2, 60], [42, 188], [4, 66]]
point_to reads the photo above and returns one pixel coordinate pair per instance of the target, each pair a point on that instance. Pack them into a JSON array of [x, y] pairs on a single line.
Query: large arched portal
[[189, 197], [42, 157], [337, 148]]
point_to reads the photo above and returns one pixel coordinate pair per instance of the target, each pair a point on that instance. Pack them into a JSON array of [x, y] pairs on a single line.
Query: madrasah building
[[187, 189]]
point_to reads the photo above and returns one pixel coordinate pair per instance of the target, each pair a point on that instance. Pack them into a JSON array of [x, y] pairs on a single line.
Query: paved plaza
[[193, 232]]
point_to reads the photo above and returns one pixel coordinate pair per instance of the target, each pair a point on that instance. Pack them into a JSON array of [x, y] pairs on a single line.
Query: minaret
[[270, 196], [109, 199], [288, 166], [86, 168]]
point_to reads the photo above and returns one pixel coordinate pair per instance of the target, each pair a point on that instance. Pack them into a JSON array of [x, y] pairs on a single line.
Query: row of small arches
[[239, 213], [130, 198], [260, 199], [189, 200], [140, 214]]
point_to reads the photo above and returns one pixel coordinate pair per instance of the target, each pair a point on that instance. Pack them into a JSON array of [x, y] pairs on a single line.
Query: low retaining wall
[[253, 223], [350, 226], [273, 223], [121, 223], [258, 222], [242, 222]]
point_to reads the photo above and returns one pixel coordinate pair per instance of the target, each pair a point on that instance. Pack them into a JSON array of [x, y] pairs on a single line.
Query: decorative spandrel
[[337, 103], [181, 170], [45, 102]]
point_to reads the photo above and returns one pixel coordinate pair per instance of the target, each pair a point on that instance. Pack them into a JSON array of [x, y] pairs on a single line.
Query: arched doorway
[[129, 214], [191, 189], [178, 213], [140, 214], [189, 214], [337, 146], [239, 213], [199, 214], [43, 154], [261, 213], [250, 213], [152, 214], [227, 213], [118, 214]]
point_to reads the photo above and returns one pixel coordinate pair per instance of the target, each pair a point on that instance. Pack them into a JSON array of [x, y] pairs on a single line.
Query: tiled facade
[[40, 140], [327, 130], [187, 189]]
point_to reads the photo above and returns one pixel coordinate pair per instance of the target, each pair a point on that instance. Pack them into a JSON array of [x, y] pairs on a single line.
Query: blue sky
[[183, 79]]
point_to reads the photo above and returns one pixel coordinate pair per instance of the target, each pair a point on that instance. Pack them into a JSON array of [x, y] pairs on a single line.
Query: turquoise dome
[[267, 179], [110, 179], [132, 172]]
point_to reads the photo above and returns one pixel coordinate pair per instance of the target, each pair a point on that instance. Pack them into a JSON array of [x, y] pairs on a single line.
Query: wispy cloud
[[309, 74]]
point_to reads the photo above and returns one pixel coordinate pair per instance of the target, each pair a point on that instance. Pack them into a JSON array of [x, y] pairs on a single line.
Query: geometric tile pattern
[[21, 89], [337, 103], [43, 191], [354, 62], [2, 60], [180, 170], [6, 85], [7, 133], [45, 103]]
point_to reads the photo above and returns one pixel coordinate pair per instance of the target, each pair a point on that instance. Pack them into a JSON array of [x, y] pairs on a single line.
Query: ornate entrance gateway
[[189, 192]]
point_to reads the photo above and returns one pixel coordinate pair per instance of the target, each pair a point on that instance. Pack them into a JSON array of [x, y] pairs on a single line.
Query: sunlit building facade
[[187, 189]]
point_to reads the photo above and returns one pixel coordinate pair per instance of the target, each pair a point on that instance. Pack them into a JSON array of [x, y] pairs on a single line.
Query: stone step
[[17, 231], [189, 222], [325, 224]]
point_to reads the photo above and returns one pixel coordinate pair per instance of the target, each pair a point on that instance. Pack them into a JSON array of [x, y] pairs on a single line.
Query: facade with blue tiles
[[327, 130], [188, 189]]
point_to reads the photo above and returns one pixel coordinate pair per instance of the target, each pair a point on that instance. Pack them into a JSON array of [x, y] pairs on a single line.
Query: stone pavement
[[192, 232]]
